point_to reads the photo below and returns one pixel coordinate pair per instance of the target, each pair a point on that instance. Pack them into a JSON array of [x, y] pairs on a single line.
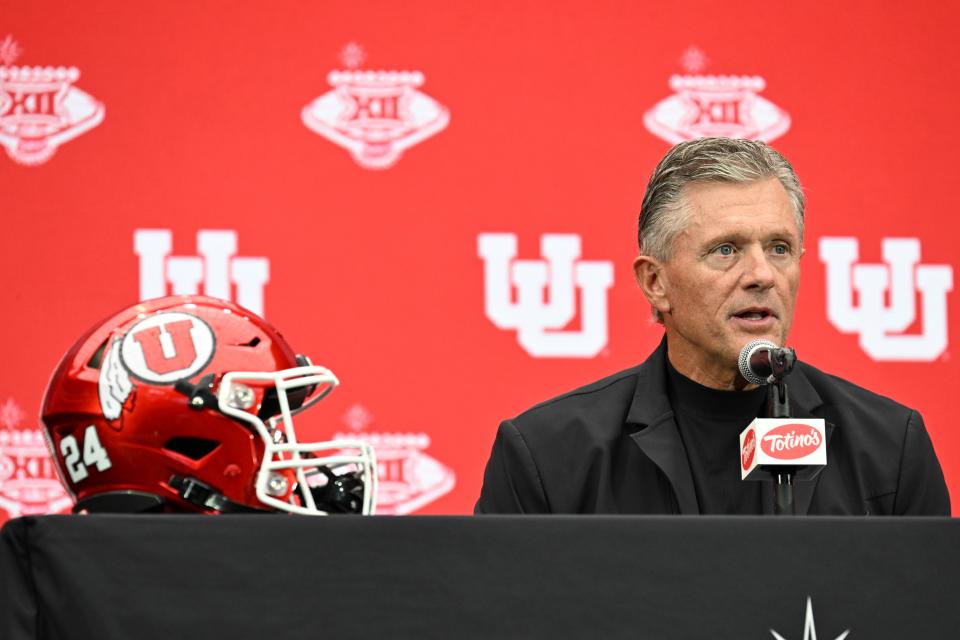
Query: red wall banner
[[438, 201]]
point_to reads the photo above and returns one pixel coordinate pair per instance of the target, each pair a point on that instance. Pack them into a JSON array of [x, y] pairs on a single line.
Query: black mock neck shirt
[[710, 422]]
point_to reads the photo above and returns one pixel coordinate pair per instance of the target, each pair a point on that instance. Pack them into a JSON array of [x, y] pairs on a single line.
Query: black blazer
[[613, 447]]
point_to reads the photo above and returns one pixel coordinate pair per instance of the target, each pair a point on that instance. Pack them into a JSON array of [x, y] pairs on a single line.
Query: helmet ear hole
[[302, 361], [97, 358], [193, 448], [298, 396], [270, 406], [295, 397]]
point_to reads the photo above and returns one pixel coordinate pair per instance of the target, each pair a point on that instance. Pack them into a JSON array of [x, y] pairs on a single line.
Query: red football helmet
[[186, 403]]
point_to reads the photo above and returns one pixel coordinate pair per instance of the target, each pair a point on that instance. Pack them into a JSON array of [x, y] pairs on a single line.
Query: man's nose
[[757, 270]]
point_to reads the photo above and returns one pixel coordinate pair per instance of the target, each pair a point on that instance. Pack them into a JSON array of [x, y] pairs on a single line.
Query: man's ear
[[650, 277]]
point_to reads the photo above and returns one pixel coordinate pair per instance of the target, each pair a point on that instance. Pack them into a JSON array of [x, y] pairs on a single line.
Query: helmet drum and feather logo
[[160, 349]]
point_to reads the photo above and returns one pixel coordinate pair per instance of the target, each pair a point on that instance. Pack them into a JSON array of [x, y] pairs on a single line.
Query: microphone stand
[[778, 406]]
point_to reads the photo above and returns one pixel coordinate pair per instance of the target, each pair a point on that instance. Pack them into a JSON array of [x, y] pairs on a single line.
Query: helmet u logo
[[184, 353], [166, 347]]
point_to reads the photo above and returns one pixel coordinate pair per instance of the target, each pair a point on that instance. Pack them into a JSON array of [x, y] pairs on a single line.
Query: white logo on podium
[[877, 322], [217, 267], [809, 626], [560, 275]]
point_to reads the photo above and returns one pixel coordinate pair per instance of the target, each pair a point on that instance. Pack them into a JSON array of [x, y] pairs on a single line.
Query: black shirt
[[710, 422]]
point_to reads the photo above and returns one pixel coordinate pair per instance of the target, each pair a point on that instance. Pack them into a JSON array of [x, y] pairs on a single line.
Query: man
[[721, 236]]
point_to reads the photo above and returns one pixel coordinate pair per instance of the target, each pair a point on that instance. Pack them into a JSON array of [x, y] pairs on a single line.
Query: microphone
[[762, 362], [778, 447]]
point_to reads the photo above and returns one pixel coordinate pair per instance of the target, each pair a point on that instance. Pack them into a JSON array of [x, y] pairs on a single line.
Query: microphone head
[[743, 362]]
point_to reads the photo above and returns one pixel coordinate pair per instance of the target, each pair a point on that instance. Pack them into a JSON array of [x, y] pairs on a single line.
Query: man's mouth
[[755, 314]]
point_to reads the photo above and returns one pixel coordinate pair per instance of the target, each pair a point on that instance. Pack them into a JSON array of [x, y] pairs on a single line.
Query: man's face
[[732, 277]]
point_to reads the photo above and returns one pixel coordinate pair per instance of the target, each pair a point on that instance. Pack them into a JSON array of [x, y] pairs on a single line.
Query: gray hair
[[663, 213]]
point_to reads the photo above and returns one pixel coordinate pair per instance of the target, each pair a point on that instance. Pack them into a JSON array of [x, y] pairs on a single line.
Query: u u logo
[[877, 322], [559, 276]]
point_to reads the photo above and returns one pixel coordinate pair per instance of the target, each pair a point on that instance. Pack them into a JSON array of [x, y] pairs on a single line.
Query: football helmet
[[186, 404]]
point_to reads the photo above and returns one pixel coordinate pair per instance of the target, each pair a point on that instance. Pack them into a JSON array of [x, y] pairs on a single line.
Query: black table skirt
[[106, 577]]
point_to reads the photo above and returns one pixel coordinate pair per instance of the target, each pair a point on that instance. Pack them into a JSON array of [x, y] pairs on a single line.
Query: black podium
[[133, 577]]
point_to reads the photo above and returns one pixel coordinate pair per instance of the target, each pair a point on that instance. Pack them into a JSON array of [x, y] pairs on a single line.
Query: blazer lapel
[[658, 436], [661, 443]]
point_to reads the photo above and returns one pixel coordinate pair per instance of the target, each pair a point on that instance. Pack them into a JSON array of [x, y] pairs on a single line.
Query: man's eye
[[724, 250], [781, 249]]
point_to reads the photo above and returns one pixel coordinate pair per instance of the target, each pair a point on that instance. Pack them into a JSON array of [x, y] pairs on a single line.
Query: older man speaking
[[721, 236]]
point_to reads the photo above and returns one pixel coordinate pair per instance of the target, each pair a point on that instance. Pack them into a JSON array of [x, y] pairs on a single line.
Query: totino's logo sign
[[790, 441], [749, 449], [768, 444], [886, 297]]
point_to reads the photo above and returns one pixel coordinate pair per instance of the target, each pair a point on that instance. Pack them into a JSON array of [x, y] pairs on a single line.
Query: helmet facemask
[[313, 478]]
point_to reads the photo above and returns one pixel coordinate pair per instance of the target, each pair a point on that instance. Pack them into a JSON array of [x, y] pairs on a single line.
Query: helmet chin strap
[[341, 494], [205, 496]]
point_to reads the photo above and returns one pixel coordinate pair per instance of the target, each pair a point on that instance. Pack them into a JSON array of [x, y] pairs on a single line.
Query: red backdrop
[[365, 198]]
